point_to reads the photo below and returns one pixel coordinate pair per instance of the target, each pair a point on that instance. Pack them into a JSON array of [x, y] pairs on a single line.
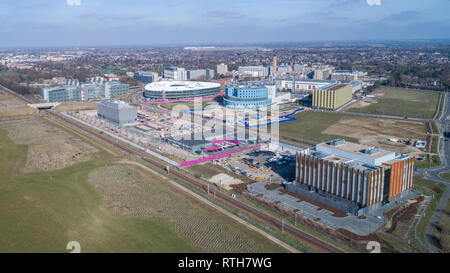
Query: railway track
[[304, 237]]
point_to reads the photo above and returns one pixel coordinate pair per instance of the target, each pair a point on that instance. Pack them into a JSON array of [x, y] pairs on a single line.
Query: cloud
[[73, 2], [374, 2]]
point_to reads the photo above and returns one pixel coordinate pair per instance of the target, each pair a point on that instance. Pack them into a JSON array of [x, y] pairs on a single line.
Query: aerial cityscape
[[312, 132]]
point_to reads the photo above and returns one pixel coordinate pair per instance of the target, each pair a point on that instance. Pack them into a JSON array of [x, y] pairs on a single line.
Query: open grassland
[[106, 207], [128, 191], [445, 175], [76, 106], [17, 112], [377, 131], [442, 234], [401, 102], [324, 126], [407, 234], [309, 125], [42, 212], [50, 148], [7, 100], [433, 189], [430, 161]]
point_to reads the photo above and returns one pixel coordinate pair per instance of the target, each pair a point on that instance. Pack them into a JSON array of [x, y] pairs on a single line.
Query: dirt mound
[[272, 186]]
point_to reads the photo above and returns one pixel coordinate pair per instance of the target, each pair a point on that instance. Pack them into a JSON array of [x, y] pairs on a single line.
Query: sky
[[35, 23]]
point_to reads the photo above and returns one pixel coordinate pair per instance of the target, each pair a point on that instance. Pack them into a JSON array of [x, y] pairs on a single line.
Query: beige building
[[332, 96], [222, 69]]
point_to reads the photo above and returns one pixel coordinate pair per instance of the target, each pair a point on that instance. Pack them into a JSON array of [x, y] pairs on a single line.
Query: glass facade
[[59, 94], [204, 92]]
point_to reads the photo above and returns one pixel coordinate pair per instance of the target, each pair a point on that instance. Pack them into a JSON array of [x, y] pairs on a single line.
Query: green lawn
[[430, 188], [435, 162], [445, 175], [42, 212], [442, 233], [309, 125], [402, 102], [8, 73]]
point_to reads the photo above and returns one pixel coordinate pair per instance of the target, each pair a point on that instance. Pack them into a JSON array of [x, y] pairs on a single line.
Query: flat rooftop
[[357, 149], [179, 86], [115, 103], [333, 87]]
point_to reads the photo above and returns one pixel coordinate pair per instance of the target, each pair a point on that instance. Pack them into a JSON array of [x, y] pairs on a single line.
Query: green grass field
[[430, 161], [42, 212], [402, 102], [445, 175], [442, 233], [8, 73], [430, 188], [309, 125]]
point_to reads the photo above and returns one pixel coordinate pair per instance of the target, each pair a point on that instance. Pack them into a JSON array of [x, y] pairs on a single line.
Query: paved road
[[443, 124]]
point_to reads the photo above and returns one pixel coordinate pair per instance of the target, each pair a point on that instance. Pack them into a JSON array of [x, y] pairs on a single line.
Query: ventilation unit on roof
[[337, 142], [371, 150]]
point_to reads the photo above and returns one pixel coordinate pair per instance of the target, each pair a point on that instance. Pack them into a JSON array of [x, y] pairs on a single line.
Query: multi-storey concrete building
[[248, 95], [352, 177], [331, 96], [146, 76], [210, 73], [180, 89], [254, 71], [222, 69], [91, 91], [301, 85], [196, 74], [61, 93], [175, 73], [347, 75], [113, 89], [116, 111]]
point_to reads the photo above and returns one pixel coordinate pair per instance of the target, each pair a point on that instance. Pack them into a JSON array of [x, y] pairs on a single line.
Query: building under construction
[[352, 177]]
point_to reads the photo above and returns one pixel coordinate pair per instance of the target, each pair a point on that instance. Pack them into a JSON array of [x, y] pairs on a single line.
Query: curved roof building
[[247, 95], [180, 89]]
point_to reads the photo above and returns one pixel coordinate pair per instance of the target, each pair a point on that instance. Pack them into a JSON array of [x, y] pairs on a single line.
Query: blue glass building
[[247, 95], [146, 76]]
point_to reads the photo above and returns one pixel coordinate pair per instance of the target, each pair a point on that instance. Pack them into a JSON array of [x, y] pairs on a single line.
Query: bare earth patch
[[376, 131], [224, 180], [50, 148], [65, 107]]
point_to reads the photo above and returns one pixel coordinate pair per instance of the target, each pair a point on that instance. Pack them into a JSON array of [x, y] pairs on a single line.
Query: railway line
[[310, 240]]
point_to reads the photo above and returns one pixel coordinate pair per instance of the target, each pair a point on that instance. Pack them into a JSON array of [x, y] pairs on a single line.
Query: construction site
[[248, 170]]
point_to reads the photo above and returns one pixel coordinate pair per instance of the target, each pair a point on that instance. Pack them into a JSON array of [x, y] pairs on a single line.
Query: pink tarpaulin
[[213, 148], [209, 158]]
